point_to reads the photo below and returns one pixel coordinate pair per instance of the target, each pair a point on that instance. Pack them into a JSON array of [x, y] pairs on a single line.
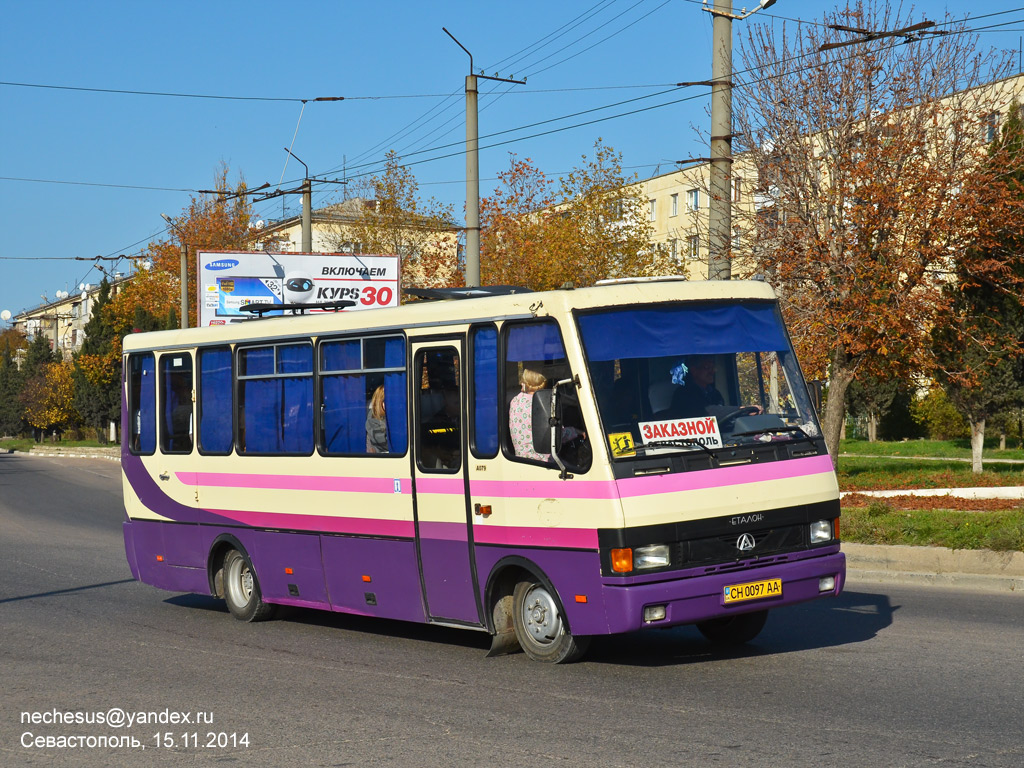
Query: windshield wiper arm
[[802, 436], [674, 444]]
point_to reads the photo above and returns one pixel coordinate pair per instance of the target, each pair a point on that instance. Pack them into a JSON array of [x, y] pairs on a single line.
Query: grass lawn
[[27, 443], [861, 473], [953, 449], [880, 522]]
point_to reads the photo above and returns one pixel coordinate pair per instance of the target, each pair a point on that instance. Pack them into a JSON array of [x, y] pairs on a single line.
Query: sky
[[112, 113]]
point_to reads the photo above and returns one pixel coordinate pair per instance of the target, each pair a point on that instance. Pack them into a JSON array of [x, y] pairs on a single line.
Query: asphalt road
[[881, 676]]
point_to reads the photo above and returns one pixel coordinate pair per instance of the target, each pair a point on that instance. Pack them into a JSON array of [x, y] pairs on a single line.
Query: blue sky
[[87, 173]]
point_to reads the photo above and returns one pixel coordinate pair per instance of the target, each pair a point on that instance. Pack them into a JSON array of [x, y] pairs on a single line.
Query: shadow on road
[[346, 622], [67, 591], [853, 617]]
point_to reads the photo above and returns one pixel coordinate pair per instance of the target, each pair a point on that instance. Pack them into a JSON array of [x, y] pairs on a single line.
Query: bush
[[937, 415]]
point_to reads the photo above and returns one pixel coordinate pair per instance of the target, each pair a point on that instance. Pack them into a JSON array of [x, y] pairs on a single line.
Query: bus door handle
[[482, 509], [165, 475]]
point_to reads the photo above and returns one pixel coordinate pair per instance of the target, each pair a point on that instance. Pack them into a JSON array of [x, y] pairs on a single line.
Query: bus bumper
[[692, 599]]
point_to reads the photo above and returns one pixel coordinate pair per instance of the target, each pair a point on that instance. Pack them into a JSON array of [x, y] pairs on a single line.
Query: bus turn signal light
[[367, 579], [289, 571], [622, 560]]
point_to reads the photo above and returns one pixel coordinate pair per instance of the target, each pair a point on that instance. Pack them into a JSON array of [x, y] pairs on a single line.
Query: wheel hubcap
[[540, 616], [245, 582]]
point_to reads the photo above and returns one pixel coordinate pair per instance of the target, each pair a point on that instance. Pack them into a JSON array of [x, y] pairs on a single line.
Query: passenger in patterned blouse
[[520, 415]]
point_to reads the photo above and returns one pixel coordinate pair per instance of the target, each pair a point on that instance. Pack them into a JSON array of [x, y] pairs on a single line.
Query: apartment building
[[677, 202]]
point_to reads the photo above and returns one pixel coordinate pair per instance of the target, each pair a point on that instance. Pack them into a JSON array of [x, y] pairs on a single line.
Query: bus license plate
[[753, 590]]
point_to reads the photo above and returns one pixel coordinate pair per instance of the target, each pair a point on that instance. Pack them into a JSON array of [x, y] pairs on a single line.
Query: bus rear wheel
[[734, 630], [540, 626], [242, 590]]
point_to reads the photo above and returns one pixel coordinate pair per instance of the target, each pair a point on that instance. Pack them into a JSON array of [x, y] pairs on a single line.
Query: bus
[[545, 467]]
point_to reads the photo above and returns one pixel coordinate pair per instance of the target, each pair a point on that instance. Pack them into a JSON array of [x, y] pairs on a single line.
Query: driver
[[698, 391]]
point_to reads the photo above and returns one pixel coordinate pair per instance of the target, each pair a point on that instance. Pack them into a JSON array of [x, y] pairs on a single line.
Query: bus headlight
[[653, 556], [821, 531]]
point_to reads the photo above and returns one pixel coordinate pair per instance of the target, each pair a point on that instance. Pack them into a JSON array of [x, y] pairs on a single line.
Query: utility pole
[[720, 188], [307, 207], [472, 181], [473, 167], [183, 277]]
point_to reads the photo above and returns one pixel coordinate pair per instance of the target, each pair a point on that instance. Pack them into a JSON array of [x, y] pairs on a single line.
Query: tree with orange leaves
[[871, 183], [979, 344], [210, 222], [48, 398], [218, 221], [395, 220], [587, 227]]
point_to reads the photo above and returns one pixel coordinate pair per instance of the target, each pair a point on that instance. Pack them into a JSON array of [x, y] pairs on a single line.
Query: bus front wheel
[[540, 626], [242, 590], [734, 630]]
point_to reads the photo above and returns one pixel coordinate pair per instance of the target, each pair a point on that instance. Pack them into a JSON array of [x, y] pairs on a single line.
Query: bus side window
[[535, 361], [439, 407], [363, 396], [484, 396], [215, 400], [176, 403], [275, 399], [142, 403]]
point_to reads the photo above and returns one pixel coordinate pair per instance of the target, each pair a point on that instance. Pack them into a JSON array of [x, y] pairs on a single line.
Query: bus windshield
[[695, 377]]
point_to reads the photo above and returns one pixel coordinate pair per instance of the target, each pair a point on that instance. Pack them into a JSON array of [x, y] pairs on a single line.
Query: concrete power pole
[[720, 204], [472, 183], [183, 268], [307, 215], [473, 167]]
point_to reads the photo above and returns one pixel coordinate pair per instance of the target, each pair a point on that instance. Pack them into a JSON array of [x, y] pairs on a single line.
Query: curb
[[108, 455], [936, 566], [995, 492]]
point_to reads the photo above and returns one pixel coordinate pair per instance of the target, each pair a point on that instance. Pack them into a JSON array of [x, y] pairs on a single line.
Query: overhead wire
[[522, 138]]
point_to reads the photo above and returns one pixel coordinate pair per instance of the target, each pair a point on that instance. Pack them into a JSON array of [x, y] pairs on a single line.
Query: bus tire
[[242, 589], [733, 630], [540, 626]]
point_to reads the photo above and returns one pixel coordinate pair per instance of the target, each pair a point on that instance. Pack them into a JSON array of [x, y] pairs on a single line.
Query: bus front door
[[444, 536]]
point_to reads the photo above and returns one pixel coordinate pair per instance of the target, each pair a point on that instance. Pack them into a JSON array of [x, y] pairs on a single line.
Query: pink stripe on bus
[[525, 489], [444, 531], [724, 476], [360, 526], [294, 482], [574, 538], [545, 489]]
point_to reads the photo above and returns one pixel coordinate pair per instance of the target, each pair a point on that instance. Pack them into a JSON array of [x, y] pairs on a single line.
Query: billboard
[[228, 280]]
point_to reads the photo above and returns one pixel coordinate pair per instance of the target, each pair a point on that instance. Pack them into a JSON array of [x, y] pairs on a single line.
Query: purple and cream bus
[[544, 467]]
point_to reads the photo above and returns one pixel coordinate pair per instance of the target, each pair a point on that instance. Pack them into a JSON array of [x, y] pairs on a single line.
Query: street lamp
[[307, 204], [183, 323], [720, 204]]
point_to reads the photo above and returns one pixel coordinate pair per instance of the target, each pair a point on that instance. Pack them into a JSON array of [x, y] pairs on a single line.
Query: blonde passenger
[[520, 415], [376, 423]]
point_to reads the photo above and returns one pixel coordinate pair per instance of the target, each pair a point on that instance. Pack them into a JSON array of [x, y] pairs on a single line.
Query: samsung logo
[[225, 264]]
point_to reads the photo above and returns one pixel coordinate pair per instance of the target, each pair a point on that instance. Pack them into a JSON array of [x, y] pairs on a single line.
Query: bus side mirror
[[540, 422]]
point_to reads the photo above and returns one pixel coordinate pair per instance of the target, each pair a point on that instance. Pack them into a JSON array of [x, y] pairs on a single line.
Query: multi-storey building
[[677, 202], [62, 320]]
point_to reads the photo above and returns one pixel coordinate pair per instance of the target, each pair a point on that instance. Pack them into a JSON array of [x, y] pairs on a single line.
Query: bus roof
[[458, 311]]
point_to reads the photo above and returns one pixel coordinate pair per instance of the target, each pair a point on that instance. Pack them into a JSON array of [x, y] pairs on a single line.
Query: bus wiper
[[682, 443], [802, 436]]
